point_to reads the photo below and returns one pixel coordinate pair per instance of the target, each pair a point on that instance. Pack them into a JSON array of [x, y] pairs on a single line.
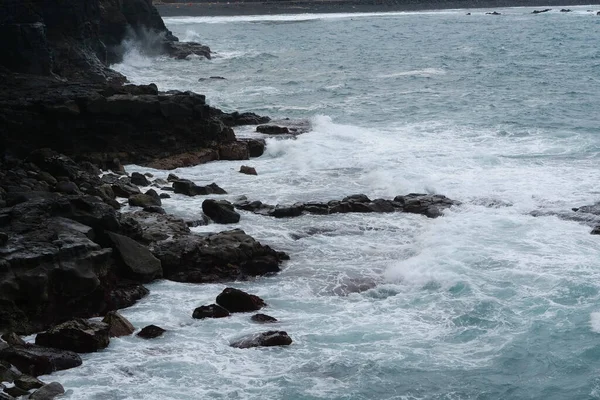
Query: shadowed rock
[[220, 211], [118, 325], [265, 339], [151, 332], [235, 300], [211, 311], [36, 360], [78, 335], [189, 188], [244, 169], [48, 392], [136, 261]]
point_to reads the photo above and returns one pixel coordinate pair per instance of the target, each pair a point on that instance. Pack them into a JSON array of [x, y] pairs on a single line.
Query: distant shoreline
[[205, 9]]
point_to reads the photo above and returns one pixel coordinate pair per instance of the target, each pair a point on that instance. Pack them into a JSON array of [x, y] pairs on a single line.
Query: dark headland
[[232, 8]]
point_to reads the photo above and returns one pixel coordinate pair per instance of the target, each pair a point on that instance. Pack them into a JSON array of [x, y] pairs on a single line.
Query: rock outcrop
[[78, 335]]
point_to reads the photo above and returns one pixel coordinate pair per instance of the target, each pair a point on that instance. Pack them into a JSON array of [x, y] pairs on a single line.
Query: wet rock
[[239, 119], [151, 332], [5, 396], [286, 212], [236, 300], [256, 147], [35, 360], [220, 211], [143, 200], [118, 325], [124, 295], [3, 238], [493, 13], [244, 169], [7, 374], [78, 335], [173, 178], [124, 189], [16, 391], [13, 339], [187, 159], [263, 318], [164, 196], [136, 261], [430, 205], [48, 392], [565, 10], [27, 382], [264, 339], [153, 227], [210, 311], [189, 188], [223, 256], [66, 187], [139, 179], [237, 150], [541, 11], [272, 129]]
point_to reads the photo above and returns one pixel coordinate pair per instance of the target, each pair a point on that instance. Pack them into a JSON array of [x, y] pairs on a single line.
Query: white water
[[487, 302]]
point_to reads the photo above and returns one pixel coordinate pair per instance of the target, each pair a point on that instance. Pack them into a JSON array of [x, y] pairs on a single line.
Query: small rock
[[144, 200], [78, 335], [48, 392], [189, 188], [124, 189], [493, 13], [264, 339], [172, 178], [13, 339], [149, 175], [248, 170], [263, 318], [211, 311], [27, 382], [565, 10], [151, 332], [220, 211], [217, 77], [272, 129], [139, 179], [118, 325], [235, 300], [164, 196]]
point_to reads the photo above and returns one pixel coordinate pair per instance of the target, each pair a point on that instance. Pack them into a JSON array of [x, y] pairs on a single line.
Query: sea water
[[486, 302]]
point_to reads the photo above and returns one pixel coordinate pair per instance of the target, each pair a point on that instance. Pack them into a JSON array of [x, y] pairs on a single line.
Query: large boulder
[[210, 311], [264, 339], [220, 211], [223, 256], [48, 392], [136, 261], [139, 179], [36, 360], [118, 325], [78, 335], [235, 300]]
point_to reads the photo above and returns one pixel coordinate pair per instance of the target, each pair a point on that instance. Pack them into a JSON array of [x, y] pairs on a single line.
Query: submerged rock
[[265, 339], [263, 318], [210, 311], [78, 335], [151, 332], [235, 300]]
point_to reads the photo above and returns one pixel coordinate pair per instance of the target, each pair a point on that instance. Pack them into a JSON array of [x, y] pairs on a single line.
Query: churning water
[[487, 302]]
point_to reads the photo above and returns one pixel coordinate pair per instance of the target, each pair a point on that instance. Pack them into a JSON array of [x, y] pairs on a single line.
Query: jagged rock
[[144, 200], [118, 325], [125, 190], [189, 188], [272, 129], [211, 311], [27, 382], [263, 318], [235, 300], [220, 211], [48, 392], [125, 294], [430, 205], [153, 227], [35, 360], [244, 169], [264, 339], [139, 179], [493, 13], [237, 150], [13, 339], [78, 335], [216, 257], [151, 332], [136, 261]]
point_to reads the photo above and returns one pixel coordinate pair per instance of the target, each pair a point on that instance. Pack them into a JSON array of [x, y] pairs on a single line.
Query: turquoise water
[[487, 302]]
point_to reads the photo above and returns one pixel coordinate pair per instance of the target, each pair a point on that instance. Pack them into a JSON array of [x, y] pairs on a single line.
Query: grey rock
[[118, 324], [136, 261], [78, 335], [220, 211], [235, 300], [48, 392]]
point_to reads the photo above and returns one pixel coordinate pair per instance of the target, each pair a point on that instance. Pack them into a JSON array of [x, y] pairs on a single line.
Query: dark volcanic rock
[[27, 382], [430, 205], [187, 159], [35, 360], [48, 392], [151, 332], [236, 300], [256, 147], [118, 325], [211, 311], [239, 119], [136, 261], [189, 188], [139, 179], [144, 200], [220, 211], [272, 129], [223, 256], [263, 318], [244, 169], [264, 339], [541, 11], [493, 13], [78, 335]]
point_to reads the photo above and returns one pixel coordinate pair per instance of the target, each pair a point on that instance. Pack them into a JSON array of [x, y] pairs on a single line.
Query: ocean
[[497, 299]]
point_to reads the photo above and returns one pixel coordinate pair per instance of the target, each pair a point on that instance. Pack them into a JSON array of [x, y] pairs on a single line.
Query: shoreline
[[216, 9]]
